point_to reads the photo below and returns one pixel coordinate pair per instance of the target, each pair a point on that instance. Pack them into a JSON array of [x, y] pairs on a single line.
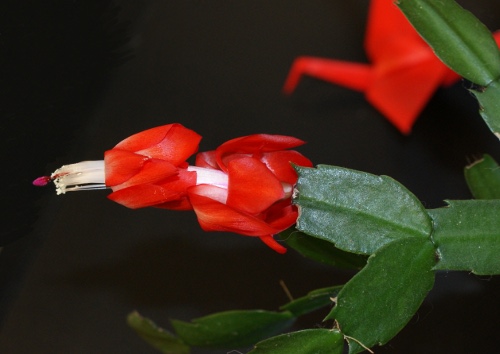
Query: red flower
[[403, 75], [257, 199], [150, 169], [244, 186]]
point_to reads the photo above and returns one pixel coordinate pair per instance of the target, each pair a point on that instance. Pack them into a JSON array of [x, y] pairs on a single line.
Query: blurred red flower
[[403, 75]]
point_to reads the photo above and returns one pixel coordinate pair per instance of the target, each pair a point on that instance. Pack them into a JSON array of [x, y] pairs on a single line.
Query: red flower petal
[[179, 204], [184, 180], [282, 215], [402, 93], [215, 216], [252, 187], [355, 76], [207, 159], [180, 182], [496, 36], [450, 78], [124, 169], [153, 172], [172, 142], [171, 189], [120, 165], [272, 243], [279, 162], [387, 28], [143, 195], [254, 144], [144, 139]]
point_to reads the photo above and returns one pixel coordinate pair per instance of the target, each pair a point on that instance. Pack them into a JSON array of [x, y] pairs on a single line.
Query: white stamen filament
[[85, 175]]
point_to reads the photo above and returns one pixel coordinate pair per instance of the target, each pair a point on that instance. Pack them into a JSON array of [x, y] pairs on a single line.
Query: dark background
[[79, 76]]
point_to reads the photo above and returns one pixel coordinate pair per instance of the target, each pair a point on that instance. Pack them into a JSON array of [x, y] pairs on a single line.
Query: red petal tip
[[273, 244]]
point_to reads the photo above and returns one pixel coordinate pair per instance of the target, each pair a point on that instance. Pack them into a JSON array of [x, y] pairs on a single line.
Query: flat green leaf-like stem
[[467, 236], [322, 251], [157, 337], [232, 329], [380, 300], [457, 37], [309, 341], [489, 105], [314, 300], [357, 211], [483, 178]]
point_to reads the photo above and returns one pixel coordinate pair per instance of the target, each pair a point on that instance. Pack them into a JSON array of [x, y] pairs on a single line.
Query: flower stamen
[[86, 175]]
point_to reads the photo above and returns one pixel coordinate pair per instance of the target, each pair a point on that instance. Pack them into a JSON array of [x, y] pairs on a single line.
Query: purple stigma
[[42, 181]]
